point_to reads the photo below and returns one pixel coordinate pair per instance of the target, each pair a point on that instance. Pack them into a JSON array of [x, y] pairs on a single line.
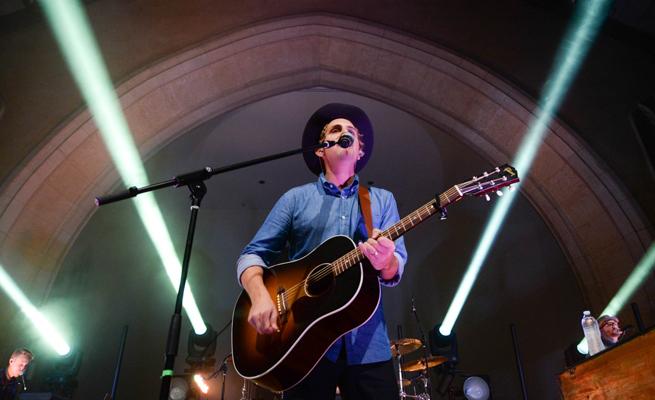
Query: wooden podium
[[626, 371]]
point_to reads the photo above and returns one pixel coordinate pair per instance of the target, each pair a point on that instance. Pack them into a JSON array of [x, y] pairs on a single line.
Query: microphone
[[346, 140], [626, 330]]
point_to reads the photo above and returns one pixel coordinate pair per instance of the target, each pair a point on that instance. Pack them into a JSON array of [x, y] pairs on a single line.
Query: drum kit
[[416, 387], [419, 384]]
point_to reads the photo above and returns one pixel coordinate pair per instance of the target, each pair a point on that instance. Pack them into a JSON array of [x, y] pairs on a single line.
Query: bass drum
[[237, 388]]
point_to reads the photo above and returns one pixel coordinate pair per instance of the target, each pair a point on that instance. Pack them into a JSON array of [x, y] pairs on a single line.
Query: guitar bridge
[[282, 305]]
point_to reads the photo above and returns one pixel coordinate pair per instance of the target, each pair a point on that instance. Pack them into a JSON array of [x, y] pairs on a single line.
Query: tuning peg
[[486, 196], [510, 188], [499, 193], [485, 173]]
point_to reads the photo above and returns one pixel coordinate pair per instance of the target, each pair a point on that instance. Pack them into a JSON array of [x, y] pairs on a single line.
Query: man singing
[[360, 361]]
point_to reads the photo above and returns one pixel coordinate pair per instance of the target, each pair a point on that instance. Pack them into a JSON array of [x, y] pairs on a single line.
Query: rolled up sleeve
[[270, 239], [389, 216]]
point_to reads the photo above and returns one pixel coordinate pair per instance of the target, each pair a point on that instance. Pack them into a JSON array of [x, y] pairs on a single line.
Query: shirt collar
[[333, 190]]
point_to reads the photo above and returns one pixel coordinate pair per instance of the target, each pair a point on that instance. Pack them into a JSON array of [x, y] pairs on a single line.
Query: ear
[[319, 153]]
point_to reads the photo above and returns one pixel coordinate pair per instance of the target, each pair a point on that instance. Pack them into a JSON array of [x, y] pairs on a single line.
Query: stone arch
[[47, 202]]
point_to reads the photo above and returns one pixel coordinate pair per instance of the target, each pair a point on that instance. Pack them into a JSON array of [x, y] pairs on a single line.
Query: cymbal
[[404, 346], [418, 365]]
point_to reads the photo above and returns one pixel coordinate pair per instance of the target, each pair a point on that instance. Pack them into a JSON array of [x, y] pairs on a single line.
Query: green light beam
[[580, 35], [479, 256], [76, 41], [636, 278], [48, 332]]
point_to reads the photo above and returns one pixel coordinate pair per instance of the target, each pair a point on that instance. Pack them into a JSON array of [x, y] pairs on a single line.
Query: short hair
[[22, 351]]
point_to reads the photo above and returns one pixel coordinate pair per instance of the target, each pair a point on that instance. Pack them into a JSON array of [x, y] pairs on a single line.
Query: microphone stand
[[223, 370], [195, 182], [119, 361]]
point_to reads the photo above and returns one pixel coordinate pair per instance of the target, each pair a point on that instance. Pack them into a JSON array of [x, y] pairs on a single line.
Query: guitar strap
[[365, 204]]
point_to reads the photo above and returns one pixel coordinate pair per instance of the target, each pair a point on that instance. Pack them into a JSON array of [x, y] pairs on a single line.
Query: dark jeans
[[376, 381]]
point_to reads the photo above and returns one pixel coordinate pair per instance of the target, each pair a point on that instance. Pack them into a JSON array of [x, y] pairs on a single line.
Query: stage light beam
[[637, 277], [76, 41], [47, 331], [577, 41]]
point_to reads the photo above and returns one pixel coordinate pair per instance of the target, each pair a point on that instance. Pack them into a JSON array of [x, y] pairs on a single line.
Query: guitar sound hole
[[319, 281]]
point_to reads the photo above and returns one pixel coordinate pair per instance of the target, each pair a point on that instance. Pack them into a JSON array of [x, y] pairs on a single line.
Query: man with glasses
[[610, 330]]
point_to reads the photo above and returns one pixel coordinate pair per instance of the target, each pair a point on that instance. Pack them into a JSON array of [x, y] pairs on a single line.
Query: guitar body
[[312, 316]]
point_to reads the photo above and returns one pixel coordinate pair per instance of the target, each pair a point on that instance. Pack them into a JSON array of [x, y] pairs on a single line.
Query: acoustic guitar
[[327, 293]]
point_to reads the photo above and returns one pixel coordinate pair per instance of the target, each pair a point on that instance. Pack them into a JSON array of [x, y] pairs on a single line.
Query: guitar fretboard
[[398, 229]]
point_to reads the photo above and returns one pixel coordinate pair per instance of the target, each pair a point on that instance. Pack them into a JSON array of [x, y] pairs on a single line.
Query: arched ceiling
[[470, 71], [597, 225], [516, 39]]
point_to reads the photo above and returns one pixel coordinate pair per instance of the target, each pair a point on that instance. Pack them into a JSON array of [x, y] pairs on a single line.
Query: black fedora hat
[[325, 115]]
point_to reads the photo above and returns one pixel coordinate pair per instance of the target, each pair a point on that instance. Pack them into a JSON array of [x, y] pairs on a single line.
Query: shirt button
[[343, 217]]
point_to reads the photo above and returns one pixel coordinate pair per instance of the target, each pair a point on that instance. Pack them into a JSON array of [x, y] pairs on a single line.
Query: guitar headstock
[[488, 182]]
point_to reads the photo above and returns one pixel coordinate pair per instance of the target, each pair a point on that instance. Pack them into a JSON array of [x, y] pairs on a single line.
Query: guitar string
[[349, 259], [352, 259], [355, 258]]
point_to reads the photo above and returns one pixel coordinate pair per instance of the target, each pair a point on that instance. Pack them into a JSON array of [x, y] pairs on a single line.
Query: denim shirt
[[306, 216]]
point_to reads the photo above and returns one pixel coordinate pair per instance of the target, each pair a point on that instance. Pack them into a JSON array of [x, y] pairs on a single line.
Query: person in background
[[610, 330], [12, 381]]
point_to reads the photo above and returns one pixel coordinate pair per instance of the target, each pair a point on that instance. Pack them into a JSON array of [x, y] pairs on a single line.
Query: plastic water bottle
[[592, 333]]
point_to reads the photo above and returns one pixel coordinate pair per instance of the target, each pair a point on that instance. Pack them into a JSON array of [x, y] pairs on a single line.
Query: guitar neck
[[410, 221], [398, 229], [500, 177], [422, 213]]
